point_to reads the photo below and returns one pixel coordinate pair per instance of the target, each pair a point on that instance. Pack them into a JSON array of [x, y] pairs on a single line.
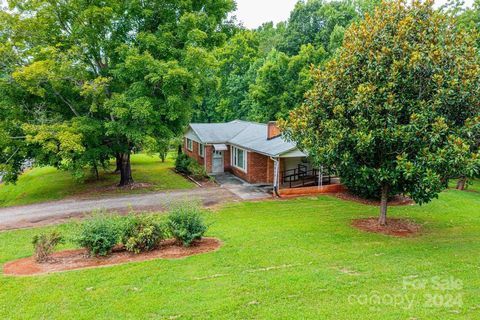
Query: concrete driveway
[[242, 189], [58, 211]]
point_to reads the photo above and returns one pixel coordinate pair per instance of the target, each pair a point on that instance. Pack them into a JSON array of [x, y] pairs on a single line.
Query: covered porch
[[295, 175], [303, 176]]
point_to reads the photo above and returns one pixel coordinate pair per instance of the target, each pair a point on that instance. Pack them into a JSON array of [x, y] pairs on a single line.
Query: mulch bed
[[395, 227], [398, 200], [78, 259]]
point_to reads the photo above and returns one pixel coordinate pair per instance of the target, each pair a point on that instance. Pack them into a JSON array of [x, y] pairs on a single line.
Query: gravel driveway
[[58, 211]]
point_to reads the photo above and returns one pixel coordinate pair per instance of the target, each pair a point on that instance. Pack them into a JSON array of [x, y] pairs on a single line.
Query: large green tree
[[264, 73], [98, 79], [394, 110], [468, 20], [281, 82], [12, 144], [313, 22], [236, 71], [313, 33]]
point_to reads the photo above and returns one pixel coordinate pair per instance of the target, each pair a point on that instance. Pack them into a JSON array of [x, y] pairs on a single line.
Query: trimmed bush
[[100, 234], [182, 163], [45, 244], [186, 224], [142, 233]]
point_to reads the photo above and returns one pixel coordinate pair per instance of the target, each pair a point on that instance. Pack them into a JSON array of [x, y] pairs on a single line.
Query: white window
[[239, 158], [189, 145], [201, 150]]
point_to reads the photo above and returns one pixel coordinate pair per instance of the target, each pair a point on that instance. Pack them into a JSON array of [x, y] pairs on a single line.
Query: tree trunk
[[118, 160], [382, 220], [461, 183], [125, 170], [95, 170]]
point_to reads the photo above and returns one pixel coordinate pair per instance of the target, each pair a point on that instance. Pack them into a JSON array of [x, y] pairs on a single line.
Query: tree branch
[[66, 102]]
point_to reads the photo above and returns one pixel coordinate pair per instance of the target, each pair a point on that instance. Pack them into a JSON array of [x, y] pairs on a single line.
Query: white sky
[[252, 13], [255, 12]]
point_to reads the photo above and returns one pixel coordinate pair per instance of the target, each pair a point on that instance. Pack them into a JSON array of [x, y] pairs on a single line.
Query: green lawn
[[473, 185], [47, 183], [294, 259]]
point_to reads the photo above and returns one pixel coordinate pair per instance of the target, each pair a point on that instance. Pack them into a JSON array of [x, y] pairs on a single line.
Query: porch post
[[320, 177], [276, 175]]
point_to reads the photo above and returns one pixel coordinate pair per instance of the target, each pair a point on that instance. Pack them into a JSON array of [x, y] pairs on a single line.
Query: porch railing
[[301, 176]]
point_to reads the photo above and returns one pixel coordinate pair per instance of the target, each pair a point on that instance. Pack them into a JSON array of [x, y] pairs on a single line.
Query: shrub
[[187, 165], [141, 233], [196, 170], [182, 163], [99, 234], [186, 224], [44, 245]]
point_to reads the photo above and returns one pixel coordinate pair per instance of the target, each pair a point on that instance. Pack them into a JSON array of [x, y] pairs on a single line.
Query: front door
[[217, 166]]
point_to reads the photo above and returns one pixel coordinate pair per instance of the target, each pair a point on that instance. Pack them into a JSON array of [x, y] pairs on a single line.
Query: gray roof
[[244, 134], [218, 132]]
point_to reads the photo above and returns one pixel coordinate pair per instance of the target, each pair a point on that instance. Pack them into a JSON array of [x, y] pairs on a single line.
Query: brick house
[[254, 152]]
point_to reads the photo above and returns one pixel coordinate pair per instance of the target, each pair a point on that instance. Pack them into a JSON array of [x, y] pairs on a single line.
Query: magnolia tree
[[396, 110]]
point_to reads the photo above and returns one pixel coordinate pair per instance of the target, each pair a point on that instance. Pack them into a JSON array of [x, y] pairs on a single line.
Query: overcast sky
[[252, 13], [255, 12]]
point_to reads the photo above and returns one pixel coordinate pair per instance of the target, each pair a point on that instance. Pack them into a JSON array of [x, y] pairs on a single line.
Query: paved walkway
[[58, 211], [242, 189]]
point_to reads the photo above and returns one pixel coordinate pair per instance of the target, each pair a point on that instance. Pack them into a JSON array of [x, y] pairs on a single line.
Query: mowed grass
[[47, 183], [472, 185], [293, 259]]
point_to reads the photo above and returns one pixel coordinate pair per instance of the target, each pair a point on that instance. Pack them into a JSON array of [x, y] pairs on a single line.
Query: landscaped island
[[110, 239]]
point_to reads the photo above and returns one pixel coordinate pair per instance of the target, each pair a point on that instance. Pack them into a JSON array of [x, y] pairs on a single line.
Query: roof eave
[[195, 131]]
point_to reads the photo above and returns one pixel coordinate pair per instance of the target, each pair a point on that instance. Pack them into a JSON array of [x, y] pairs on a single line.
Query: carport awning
[[220, 147]]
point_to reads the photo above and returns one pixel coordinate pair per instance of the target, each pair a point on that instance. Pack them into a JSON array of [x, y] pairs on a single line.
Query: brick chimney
[[273, 130]]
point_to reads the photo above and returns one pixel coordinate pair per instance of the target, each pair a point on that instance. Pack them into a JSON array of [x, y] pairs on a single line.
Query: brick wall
[[226, 160], [209, 157], [194, 153], [258, 166], [305, 191], [260, 169]]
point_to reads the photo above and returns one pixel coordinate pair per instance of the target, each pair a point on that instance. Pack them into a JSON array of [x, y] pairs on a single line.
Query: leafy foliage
[[45, 244], [397, 108], [163, 147], [263, 74], [197, 171], [186, 224], [281, 83], [182, 163], [313, 21], [88, 81], [141, 233], [99, 234], [187, 165]]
